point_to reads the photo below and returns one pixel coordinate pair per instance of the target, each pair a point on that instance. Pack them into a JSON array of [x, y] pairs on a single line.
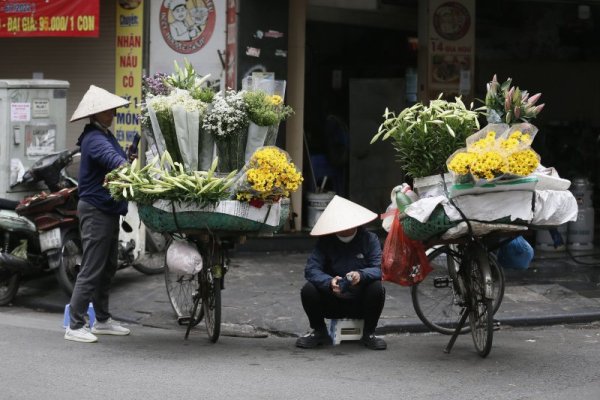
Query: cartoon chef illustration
[[180, 28]]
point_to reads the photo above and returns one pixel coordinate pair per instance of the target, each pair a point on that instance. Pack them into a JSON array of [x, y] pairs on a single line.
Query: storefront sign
[[205, 51], [451, 47], [187, 25], [128, 68], [34, 18]]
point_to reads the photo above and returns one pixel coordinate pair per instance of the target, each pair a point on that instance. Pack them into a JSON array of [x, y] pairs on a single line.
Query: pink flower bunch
[[509, 104]]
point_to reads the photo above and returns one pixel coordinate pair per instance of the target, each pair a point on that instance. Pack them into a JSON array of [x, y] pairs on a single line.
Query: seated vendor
[[344, 250]]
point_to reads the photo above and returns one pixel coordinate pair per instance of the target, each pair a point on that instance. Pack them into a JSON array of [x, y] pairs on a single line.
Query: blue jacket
[[100, 154], [332, 257]]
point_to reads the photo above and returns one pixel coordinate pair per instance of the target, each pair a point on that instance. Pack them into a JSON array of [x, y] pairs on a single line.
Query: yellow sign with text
[[128, 68]]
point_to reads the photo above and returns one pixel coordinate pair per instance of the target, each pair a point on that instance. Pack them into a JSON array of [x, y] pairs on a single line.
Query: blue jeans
[[100, 240]]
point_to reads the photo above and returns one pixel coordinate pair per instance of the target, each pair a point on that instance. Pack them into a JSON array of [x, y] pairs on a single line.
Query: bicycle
[[198, 296], [466, 282], [213, 229]]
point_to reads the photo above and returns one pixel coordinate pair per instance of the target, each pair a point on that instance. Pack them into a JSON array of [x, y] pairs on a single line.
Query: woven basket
[[160, 220], [437, 224]]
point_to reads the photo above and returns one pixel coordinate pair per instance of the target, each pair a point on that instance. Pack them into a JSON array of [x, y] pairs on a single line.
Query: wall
[[81, 61]]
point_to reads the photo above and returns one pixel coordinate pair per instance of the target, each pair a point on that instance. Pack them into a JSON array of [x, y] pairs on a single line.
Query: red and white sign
[[35, 18], [451, 47], [187, 26]]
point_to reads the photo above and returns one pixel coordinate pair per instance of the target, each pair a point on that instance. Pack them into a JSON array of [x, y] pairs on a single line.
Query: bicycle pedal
[[183, 320], [441, 283], [497, 325]]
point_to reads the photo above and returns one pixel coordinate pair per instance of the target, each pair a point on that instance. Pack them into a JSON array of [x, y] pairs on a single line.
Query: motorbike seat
[[6, 204]]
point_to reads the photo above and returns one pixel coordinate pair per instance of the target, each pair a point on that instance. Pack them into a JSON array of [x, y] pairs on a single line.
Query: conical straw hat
[[339, 215], [96, 100]]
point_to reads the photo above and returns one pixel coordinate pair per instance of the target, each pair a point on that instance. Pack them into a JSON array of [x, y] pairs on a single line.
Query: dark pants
[[99, 239], [320, 304]]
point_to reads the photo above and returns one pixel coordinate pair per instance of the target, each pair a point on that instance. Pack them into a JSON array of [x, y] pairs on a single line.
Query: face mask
[[346, 239]]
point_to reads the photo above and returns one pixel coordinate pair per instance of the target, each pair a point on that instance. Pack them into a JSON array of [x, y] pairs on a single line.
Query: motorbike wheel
[[152, 262], [9, 285], [70, 261]]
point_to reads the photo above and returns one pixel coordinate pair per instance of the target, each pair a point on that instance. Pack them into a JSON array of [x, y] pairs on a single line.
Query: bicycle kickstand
[[461, 323]]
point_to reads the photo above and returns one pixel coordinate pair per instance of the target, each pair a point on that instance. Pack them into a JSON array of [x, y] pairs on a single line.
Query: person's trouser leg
[[373, 301], [98, 232], [313, 306]]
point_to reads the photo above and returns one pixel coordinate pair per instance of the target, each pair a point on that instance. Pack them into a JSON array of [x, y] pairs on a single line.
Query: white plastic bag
[[183, 258]]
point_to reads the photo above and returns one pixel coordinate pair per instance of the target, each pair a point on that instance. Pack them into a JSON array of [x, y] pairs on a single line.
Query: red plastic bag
[[404, 260]]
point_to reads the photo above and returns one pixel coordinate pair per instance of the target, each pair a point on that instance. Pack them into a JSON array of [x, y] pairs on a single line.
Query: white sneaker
[[80, 335], [109, 327]]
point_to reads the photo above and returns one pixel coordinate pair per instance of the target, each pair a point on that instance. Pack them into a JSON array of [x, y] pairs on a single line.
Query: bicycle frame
[[473, 253]]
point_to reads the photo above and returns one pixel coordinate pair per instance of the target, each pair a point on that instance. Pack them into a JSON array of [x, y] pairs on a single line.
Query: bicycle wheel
[[211, 303], [480, 308], [181, 289], [498, 282], [435, 299]]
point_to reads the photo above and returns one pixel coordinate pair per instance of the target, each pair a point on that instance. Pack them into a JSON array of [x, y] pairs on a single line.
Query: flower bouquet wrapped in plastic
[[269, 176], [495, 152]]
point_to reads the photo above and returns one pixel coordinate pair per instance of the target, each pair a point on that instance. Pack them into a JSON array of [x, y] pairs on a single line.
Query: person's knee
[[376, 287], [308, 291], [375, 290]]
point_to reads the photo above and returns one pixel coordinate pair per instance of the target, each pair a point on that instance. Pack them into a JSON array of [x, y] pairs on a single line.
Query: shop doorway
[[352, 74]]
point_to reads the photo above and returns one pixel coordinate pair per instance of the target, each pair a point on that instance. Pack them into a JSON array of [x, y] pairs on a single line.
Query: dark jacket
[[100, 154], [331, 257]]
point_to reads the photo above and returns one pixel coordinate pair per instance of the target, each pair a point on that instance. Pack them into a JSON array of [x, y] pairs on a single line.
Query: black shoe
[[373, 342], [313, 339]]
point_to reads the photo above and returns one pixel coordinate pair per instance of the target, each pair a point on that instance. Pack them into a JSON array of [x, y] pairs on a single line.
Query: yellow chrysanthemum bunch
[[490, 157], [270, 175]]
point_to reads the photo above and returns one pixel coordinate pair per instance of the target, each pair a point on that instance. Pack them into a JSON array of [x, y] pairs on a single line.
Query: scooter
[[34, 232], [41, 233]]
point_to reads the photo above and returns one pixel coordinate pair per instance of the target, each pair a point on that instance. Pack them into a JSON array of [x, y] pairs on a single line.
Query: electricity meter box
[[33, 117]]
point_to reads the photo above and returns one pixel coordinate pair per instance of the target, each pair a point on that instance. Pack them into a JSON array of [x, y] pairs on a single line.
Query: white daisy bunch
[[227, 116], [181, 97]]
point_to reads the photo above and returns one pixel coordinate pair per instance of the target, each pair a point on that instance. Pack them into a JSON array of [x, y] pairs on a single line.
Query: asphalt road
[[558, 362]]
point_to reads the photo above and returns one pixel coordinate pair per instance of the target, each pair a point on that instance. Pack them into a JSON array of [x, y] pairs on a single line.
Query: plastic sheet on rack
[[266, 215], [492, 206], [554, 207]]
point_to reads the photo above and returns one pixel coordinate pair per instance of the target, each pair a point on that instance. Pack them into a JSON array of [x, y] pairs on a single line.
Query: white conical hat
[[341, 214], [96, 100]]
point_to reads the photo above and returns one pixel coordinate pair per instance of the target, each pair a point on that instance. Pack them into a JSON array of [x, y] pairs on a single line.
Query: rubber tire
[[66, 273], [480, 318], [148, 270], [155, 243], [11, 283], [211, 304]]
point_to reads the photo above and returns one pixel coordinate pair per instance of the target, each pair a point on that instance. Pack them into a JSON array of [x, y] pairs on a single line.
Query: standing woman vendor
[[99, 216], [344, 251]]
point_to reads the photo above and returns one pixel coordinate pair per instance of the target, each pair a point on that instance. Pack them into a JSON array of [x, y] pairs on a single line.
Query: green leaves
[[165, 179], [424, 136]]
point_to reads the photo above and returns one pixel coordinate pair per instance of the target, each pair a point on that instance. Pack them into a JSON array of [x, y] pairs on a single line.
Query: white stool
[[90, 312], [345, 329]]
